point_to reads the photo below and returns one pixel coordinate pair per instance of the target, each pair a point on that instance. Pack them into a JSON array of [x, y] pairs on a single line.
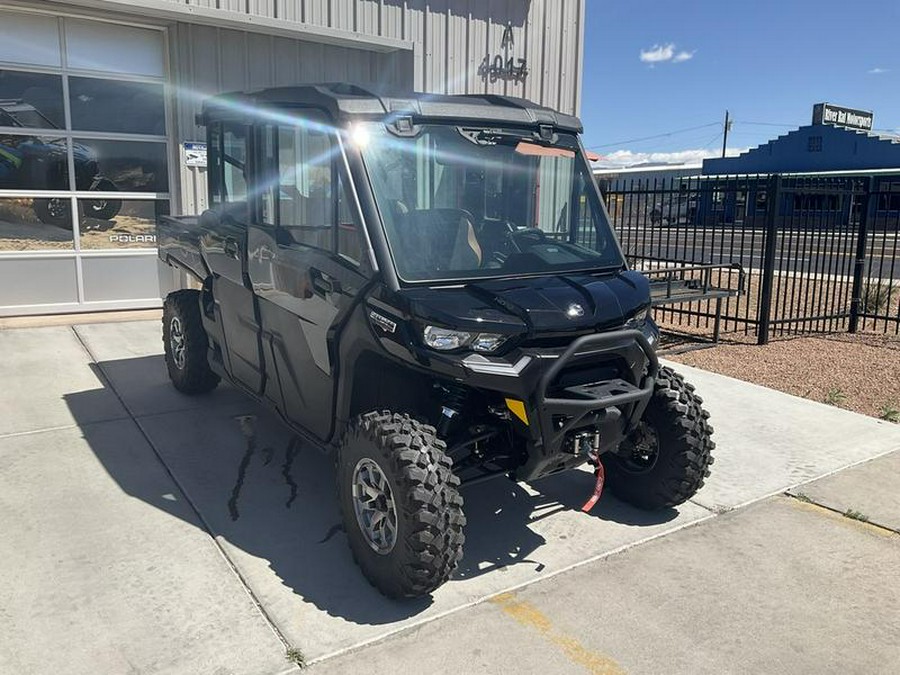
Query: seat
[[436, 240]]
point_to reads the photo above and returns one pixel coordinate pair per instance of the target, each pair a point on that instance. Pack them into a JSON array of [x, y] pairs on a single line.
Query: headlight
[[445, 339], [638, 319], [487, 342], [640, 322]]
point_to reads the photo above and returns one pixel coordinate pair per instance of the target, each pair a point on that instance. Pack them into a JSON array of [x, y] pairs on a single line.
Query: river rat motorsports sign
[[826, 113]]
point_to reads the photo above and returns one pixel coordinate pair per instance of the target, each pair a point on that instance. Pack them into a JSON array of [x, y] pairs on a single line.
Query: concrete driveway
[[146, 532]]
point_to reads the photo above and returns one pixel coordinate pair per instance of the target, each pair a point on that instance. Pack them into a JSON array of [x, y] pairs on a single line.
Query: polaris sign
[[825, 113]]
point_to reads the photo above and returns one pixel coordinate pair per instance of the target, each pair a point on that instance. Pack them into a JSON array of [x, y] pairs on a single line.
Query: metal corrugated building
[[110, 88]]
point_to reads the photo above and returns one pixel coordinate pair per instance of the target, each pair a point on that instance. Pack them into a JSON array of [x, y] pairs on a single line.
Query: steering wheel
[[519, 240]]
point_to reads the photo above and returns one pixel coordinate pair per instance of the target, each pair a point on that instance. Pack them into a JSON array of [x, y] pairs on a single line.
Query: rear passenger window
[[234, 163]]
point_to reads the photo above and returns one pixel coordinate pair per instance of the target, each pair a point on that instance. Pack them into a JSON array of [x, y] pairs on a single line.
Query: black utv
[[429, 287]]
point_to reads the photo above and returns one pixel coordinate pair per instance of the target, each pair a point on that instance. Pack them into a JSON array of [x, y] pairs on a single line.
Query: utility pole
[[727, 129]]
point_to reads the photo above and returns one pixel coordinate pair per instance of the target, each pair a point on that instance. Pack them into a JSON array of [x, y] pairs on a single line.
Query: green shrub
[[877, 296], [890, 413], [835, 396]]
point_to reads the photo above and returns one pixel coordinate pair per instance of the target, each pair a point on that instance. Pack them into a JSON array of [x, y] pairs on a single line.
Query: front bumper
[[556, 407], [591, 397], [614, 375]]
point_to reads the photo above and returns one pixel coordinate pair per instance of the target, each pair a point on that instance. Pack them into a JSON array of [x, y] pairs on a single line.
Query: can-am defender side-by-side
[[430, 287]]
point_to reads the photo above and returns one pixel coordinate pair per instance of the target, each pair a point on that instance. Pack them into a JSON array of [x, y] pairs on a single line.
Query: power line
[[712, 140], [650, 138], [765, 124]]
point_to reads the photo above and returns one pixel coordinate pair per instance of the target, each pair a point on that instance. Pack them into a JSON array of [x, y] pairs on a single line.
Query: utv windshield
[[466, 203]]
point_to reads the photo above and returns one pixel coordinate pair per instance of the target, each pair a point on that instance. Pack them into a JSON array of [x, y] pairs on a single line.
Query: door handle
[[323, 284], [232, 250]]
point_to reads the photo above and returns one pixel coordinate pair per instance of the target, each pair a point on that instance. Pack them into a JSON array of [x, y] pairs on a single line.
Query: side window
[[234, 163], [268, 175], [306, 207], [215, 151]]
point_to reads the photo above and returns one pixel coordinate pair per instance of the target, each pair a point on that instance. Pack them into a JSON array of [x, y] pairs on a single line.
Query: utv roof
[[15, 105], [344, 102]]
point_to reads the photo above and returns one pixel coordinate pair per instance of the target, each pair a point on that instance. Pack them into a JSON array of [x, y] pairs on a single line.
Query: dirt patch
[[856, 372]]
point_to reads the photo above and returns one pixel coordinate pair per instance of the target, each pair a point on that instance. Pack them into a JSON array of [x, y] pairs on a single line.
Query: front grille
[[560, 340]]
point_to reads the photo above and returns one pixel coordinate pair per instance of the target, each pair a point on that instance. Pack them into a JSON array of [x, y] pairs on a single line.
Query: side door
[[306, 264], [223, 244]]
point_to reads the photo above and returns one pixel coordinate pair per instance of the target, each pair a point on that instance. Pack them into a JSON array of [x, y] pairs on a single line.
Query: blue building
[[840, 142], [812, 149]]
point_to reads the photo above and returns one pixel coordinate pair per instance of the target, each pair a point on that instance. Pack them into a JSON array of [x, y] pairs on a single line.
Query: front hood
[[571, 303]]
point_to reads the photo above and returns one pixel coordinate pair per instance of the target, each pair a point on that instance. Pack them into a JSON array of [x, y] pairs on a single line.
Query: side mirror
[[209, 219]]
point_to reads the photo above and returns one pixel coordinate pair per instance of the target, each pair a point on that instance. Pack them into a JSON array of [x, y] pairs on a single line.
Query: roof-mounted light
[[359, 136]]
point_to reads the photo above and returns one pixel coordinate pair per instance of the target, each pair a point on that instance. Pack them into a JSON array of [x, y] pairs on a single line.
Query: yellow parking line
[[526, 614], [838, 517]]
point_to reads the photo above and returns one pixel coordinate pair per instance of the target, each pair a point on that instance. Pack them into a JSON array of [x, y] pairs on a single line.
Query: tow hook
[[599, 473], [598, 488]]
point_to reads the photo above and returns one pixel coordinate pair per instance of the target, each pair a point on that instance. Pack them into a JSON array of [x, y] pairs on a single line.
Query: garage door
[[83, 163]]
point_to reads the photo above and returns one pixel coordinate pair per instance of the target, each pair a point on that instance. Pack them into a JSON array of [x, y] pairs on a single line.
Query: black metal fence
[[820, 252]]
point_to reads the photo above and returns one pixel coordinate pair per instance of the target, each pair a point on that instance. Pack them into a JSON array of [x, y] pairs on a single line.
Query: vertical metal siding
[[476, 46], [436, 46], [316, 12], [367, 14], [414, 17], [208, 60], [534, 42], [457, 53], [266, 8], [343, 15], [392, 19], [551, 52], [452, 37], [579, 57], [570, 54], [287, 62]]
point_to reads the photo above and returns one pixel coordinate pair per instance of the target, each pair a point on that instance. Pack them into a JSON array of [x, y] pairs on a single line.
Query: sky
[[669, 70]]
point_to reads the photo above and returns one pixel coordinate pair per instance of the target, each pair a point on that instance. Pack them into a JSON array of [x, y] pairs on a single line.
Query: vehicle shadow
[[269, 501]]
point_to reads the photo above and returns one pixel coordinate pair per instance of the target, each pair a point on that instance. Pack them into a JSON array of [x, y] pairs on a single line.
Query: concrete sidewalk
[[146, 533], [781, 586]]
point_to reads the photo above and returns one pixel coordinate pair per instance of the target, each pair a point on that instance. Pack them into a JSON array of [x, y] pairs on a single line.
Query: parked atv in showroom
[[429, 287], [36, 163]]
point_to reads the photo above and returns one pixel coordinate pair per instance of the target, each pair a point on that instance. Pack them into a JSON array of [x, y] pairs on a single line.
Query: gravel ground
[[856, 372]]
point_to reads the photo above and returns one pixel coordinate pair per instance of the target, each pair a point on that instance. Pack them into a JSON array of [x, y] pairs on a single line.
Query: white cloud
[[878, 71], [658, 53], [625, 158], [665, 52]]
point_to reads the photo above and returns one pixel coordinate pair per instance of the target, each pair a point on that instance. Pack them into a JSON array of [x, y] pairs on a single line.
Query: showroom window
[[83, 135]]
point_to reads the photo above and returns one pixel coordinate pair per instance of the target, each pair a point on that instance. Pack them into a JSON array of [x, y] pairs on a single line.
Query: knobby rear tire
[[193, 376]]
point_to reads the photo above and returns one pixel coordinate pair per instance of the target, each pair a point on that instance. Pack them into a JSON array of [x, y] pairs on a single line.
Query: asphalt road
[[813, 252]]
